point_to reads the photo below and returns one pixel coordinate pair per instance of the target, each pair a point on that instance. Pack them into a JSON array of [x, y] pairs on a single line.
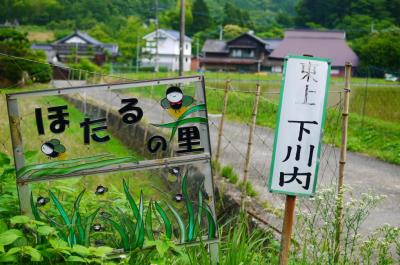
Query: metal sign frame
[[23, 184]]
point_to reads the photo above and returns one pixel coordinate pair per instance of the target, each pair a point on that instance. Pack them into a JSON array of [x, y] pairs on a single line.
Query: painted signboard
[[300, 123], [131, 160]]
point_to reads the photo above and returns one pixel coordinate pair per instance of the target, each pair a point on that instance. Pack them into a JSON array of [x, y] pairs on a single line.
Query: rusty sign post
[[298, 135]]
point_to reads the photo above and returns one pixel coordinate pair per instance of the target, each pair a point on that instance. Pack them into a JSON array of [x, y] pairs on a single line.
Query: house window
[[187, 47], [243, 53]]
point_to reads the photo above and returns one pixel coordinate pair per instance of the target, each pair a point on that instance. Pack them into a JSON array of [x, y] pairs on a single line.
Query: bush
[[84, 65], [16, 43], [249, 189], [229, 173]]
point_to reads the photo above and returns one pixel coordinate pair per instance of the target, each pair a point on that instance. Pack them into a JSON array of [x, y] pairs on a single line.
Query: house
[[246, 53], [319, 43], [162, 50], [80, 43]]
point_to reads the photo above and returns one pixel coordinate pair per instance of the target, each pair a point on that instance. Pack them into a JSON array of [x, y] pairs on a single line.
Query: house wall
[[245, 40], [168, 53]]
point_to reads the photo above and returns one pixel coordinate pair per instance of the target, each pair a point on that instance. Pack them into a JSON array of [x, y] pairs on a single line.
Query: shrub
[[249, 189], [229, 173], [16, 43]]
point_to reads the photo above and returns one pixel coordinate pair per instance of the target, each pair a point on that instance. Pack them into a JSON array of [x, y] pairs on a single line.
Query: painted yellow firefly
[[175, 102]]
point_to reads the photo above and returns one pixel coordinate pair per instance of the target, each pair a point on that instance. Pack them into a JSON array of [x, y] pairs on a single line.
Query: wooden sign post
[[298, 135]]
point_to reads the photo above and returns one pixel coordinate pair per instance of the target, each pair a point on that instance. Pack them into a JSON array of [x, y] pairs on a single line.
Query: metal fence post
[[221, 122], [250, 142], [342, 162], [18, 151]]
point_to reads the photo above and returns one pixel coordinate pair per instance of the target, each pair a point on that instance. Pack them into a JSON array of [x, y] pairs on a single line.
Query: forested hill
[[371, 25]]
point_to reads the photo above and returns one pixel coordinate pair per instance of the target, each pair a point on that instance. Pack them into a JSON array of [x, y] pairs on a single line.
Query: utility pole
[[221, 32], [156, 68], [181, 37], [197, 54], [137, 53]]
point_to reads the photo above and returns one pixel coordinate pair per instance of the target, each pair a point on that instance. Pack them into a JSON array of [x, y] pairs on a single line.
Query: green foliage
[[248, 188], [316, 230], [381, 49], [233, 31], [15, 43], [201, 17], [229, 173]]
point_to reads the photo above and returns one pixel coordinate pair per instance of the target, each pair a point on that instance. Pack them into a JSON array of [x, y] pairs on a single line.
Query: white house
[[167, 54]]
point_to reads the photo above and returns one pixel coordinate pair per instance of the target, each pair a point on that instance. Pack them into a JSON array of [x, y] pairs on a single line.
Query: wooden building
[[246, 53]]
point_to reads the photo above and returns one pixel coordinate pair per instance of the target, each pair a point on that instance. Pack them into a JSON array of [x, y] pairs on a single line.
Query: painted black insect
[[97, 227], [53, 148], [174, 171], [41, 201], [100, 190], [178, 197]]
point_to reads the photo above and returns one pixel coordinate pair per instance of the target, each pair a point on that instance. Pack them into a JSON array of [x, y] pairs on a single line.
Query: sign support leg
[[287, 229]]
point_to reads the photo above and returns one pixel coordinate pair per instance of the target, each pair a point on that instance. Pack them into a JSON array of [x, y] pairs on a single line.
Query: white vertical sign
[[301, 116]]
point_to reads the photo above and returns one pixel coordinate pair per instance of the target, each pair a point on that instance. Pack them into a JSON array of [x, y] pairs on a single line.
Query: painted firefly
[[175, 102], [97, 227], [178, 197], [100, 190], [41, 201], [53, 148]]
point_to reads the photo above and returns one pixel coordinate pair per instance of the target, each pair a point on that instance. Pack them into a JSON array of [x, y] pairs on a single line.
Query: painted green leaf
[[180, 223], [131, 201], [167, 222], [122, 233], [176, 124], [75, 216], [88, 226], [86, 166], [139, 231], [149, 220], [212, 225], [24, 170], [64, 215], [34, 209], [189, 208]]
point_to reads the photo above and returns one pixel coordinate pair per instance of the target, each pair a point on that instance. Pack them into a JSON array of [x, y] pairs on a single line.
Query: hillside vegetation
[[371, 25]]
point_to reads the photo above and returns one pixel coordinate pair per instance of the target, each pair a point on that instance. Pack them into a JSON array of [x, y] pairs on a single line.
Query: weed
[[249, 188], [229, 173]]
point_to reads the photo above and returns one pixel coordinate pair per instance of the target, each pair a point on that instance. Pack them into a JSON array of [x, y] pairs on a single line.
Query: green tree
[[128, 36], [233, 31], [201, 17], [15, 43], [235, 16], [382, 49], [171, 18]]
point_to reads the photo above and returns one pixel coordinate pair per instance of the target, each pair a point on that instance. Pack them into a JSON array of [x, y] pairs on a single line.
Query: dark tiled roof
[[215, 46], [272, 44], [325, 44]]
